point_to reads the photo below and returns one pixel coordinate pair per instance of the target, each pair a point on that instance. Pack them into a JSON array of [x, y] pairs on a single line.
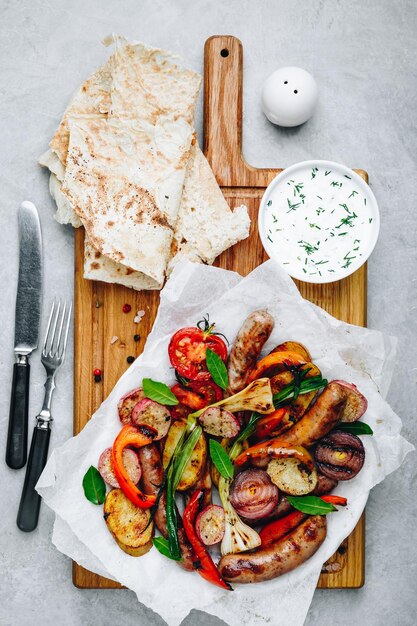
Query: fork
[[53, 354]]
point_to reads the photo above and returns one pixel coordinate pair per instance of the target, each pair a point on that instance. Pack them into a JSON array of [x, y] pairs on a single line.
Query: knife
[[27, 316]]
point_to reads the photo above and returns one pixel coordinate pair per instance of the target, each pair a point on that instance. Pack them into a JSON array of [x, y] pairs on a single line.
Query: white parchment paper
[[364, 357]]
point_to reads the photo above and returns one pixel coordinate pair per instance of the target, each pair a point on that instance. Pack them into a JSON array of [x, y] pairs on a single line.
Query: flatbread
[[206, 226], [146, 82], [138, 95], [109, 182], [91, 100], [99, 267]]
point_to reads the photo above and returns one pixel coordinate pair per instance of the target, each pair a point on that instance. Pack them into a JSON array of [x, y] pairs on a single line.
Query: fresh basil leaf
[[94, 486], [312, 505], [159, 392], [221, 459], [162, 545], [217, 369], [355, 428]]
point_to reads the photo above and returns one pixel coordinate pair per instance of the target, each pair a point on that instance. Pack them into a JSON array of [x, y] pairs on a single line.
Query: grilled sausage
[[152, 476], [279, 558], [247, 347], [324, 485], [320, 419]]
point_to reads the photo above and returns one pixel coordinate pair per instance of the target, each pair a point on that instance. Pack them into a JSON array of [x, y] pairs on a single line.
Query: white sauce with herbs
[[319, 220]]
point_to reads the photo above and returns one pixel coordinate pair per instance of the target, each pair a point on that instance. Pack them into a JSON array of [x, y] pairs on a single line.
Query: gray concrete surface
[[363, 55]]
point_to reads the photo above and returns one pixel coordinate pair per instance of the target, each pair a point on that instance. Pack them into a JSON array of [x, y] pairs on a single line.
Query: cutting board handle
[[223, 69], [223, 62]]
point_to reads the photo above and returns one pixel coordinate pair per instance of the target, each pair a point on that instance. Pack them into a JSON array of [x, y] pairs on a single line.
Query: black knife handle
[[17, 437], [30, 502]]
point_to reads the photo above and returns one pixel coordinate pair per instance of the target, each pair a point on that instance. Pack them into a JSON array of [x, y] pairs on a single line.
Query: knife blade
[[27, 318]]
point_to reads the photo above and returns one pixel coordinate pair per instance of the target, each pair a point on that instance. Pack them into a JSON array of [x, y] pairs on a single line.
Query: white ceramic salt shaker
[[289, 96]]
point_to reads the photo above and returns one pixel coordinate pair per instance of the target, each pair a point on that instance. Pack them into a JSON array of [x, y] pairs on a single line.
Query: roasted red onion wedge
[[130, 461], [340, 455], [210, 524], [152, 414], [253, 495], [219, 422], [127, 404], [356, 403]]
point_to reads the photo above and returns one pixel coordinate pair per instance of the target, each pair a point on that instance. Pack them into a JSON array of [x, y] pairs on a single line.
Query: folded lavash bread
[[205, 225]]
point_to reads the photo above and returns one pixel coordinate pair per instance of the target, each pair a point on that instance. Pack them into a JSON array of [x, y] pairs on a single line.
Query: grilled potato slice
[[128, 523], [291, 476], [198, 458]]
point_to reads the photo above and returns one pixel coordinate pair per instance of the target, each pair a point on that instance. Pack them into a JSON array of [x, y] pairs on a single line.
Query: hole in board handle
[[224, 52]]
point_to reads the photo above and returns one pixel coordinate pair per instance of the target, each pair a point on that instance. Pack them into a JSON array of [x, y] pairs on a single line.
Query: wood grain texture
[[98, 306]]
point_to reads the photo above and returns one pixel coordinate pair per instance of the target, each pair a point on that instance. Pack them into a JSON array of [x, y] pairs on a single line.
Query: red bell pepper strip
[[279, 528], [276, 449], [337, 500], [188, 397], [266, 425], [137, 437], [207, 569]]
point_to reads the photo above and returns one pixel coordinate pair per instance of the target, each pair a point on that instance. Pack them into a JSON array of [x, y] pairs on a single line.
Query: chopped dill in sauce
[[311, 203]]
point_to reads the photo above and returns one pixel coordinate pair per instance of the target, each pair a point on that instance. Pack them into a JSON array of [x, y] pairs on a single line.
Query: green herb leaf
[[171, 517], [94, 486], [162, 545], [217, 369], [221, 459], [312, 505], [355, 428], [286, 395], [159, 392]]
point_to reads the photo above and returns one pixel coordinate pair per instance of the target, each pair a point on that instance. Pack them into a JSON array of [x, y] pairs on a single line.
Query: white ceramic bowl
[[319, 220]]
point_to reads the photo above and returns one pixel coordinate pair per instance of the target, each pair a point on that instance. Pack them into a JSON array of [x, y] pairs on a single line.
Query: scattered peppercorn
[[130, 359], [97, 372], [97, 378], [136, 337], [126, 308]]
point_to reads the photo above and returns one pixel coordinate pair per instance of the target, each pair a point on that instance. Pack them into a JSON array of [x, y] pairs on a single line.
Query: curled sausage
[[152, 477], [278, 558], [247, 347], [320, 419]]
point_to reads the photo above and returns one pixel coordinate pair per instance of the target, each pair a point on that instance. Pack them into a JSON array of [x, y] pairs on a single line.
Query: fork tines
[[57, 330]]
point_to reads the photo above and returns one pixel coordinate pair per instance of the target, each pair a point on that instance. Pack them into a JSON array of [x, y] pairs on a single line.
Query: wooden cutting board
[[98, 306]]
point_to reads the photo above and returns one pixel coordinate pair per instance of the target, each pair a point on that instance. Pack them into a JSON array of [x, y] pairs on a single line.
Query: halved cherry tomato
[[179, 411], [197, 394], [187, 352], [207, 389]]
